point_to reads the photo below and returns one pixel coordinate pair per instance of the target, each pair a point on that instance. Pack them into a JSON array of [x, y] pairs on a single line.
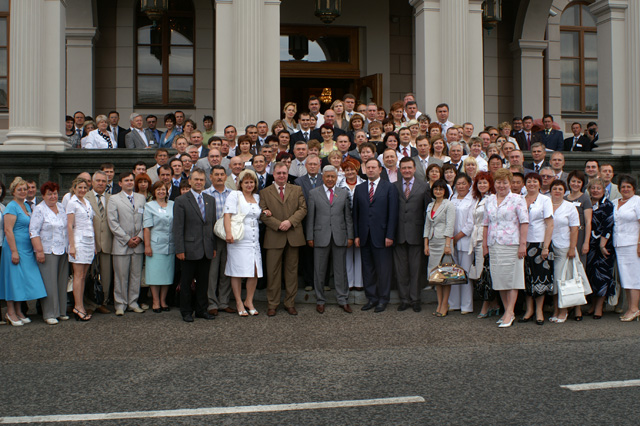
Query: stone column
[[36, 86], [247, 62], [80, 70], [427, 46], [528, 77], [618, 70]]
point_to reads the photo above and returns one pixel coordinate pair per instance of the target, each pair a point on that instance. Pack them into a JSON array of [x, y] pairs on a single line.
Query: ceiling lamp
[[326, 96], [154, 9], [328, 10]]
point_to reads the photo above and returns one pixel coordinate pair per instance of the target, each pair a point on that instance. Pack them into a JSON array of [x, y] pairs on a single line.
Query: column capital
[[425, 5], [606, 10], [530, 48], [80, 36]]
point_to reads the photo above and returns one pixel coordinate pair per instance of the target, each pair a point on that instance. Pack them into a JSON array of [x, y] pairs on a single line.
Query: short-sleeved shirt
[[626, 227], [539, 210], [565, 216], [504, 221], [50, 227]]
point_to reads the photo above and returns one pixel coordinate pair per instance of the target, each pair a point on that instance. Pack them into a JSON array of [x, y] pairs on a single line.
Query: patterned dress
[[599, 268]]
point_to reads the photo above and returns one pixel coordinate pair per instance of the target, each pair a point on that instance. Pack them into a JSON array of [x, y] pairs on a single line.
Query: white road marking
[[212, 411], [602, 385]]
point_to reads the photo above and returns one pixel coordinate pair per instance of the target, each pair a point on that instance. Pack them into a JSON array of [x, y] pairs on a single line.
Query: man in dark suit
[[375, 217], [118, 132], [110, 170], [194, 214], [413, 200], [304, 134], [152, 133], [329, 231], [309, 181], [525, 136], [259, 165], [329, 118], [577, 142], [196, 140], [551, 138], [283, 236], [165, 174], [404, 147], [538, 154], [455, 152]]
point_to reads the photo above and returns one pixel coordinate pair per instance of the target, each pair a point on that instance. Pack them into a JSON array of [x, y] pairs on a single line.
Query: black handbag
[[484, 286], [93, 284]]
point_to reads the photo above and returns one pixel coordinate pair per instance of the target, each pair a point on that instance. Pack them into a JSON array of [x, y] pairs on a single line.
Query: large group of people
[[374, 201]]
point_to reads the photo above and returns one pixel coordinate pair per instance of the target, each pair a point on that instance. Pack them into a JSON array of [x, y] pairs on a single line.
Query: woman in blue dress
[[20, 278], [158, 245]]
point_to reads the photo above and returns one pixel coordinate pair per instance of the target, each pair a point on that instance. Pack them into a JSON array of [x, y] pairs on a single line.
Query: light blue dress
[[23, 281], [159, 267]]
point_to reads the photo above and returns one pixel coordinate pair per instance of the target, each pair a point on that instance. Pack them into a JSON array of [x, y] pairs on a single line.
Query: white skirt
[[560, 257], [628, 267], [507, 270]]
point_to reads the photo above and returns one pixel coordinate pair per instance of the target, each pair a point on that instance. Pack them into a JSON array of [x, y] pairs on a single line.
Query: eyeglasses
[[547, 177]]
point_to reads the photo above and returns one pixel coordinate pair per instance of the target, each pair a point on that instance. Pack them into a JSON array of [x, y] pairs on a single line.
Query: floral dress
[[599, 268]]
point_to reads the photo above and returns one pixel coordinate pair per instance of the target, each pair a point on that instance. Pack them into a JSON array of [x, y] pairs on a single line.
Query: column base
[[26, 140]]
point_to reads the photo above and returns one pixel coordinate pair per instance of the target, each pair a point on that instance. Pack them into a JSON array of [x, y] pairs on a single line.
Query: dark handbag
[[447, 273], [93, 284], [484, 286]]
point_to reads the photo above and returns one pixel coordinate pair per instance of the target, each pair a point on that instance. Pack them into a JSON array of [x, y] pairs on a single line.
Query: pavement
[[466, 369]]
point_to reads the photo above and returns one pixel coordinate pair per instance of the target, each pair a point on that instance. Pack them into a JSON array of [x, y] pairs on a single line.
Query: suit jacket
[[411, 212], [293, 209], [104, 237], [614, 192], [230, 183], [412, 151], [326, 221], [304, 182], [204, 153], [553, 141], [563, 177], [115, 188], [122, 132], [152, 172], [298, 136], [583, 144], [267, 181], [521, 138], [125, 222], [443, 221], [383, 174], [153, 137], [531, 166], [134, 140], [376, 220], [421, 172], [459, 164], [193, 235], [174, 192]]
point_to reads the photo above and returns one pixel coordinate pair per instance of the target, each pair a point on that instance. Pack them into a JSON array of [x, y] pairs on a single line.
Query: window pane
[[587, 18], [149, 34], [4, 5], [569, 43], [570, 71], [571, 16], [181, 90], [181, 60], [571, 98], [590, 45], [591, 71], [150, 60], [3, 31], [324, 49], [149, 90], [590, 98], [3, 92], [181, 31], [3, 62]]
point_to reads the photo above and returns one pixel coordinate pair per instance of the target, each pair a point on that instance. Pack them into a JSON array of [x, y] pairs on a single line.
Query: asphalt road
[[467, 370]]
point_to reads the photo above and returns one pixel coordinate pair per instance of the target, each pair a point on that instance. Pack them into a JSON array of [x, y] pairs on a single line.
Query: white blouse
[[464, 220], [50, 227], [539, 210], [626, 227], [564, 218]]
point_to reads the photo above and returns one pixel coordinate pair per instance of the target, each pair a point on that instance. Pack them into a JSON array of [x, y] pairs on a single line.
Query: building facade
[[241, 60]]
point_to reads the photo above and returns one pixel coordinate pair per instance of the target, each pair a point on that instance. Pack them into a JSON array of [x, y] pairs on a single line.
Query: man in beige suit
[[283, 208], [104, 238], [124, 216]]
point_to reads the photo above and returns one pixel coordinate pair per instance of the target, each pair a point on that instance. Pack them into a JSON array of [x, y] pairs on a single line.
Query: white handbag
[[570, 291], [237, 225]]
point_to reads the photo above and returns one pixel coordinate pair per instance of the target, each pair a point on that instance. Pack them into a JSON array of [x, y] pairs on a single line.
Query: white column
[[528, 77], [474, 66], [36, 85], [80, 66], [618, 70], [247, 62], [427, 46]]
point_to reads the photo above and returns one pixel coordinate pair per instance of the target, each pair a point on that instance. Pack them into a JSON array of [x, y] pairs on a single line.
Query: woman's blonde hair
[[248, 174], [17, 181]]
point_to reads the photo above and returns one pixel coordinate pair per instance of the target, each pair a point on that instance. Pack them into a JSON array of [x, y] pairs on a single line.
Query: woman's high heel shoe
[[81, 316], [635, 316], [507, 324], [17, 323]]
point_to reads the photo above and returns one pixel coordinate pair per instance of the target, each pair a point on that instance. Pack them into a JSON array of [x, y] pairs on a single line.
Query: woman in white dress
[[351, 167], [243, 256], [626, 239], [564, 239], [461, 296], [82, 246]]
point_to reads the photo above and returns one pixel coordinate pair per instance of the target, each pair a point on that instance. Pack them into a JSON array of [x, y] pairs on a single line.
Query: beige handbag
[[447, 273]]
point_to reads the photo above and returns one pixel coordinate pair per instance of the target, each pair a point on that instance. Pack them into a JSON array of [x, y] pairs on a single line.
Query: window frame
[[581, 30], [165, 75]]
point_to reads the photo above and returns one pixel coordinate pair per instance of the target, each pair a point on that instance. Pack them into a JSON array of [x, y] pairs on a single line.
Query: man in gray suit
[[124, 216], [194, 214], [407, 253], [330, 232], [136, 138], [212, 159], [423, 160]]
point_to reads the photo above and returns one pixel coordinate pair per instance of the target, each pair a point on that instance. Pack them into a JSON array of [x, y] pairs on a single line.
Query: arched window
[[4, 54], [165, 57], [579, 51]]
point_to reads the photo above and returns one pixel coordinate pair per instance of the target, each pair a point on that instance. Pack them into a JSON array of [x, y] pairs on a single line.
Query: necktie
[[114, 130], [108, 190], [282, 193], [404, 152], [536, 168], [547, 132], [528, 140], [261, 181], [371, 193], [79, 131], [130, 197], [306, 136], [176, 182], [349, 114], [575, 140], [30, 203], [407, 189], [313, 181], [331, 196], [301, 169], [201, 205], [100, 206]]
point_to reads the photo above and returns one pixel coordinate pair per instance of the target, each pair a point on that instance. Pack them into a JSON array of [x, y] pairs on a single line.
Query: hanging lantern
[[154, 9], [326, 96], [491, 14], [328, 10]]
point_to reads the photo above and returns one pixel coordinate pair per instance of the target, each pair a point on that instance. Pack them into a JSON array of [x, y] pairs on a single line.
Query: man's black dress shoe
[[403, 307], [368, 306], [187, 318], [206, 316], [380, 308], [416, 307]]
